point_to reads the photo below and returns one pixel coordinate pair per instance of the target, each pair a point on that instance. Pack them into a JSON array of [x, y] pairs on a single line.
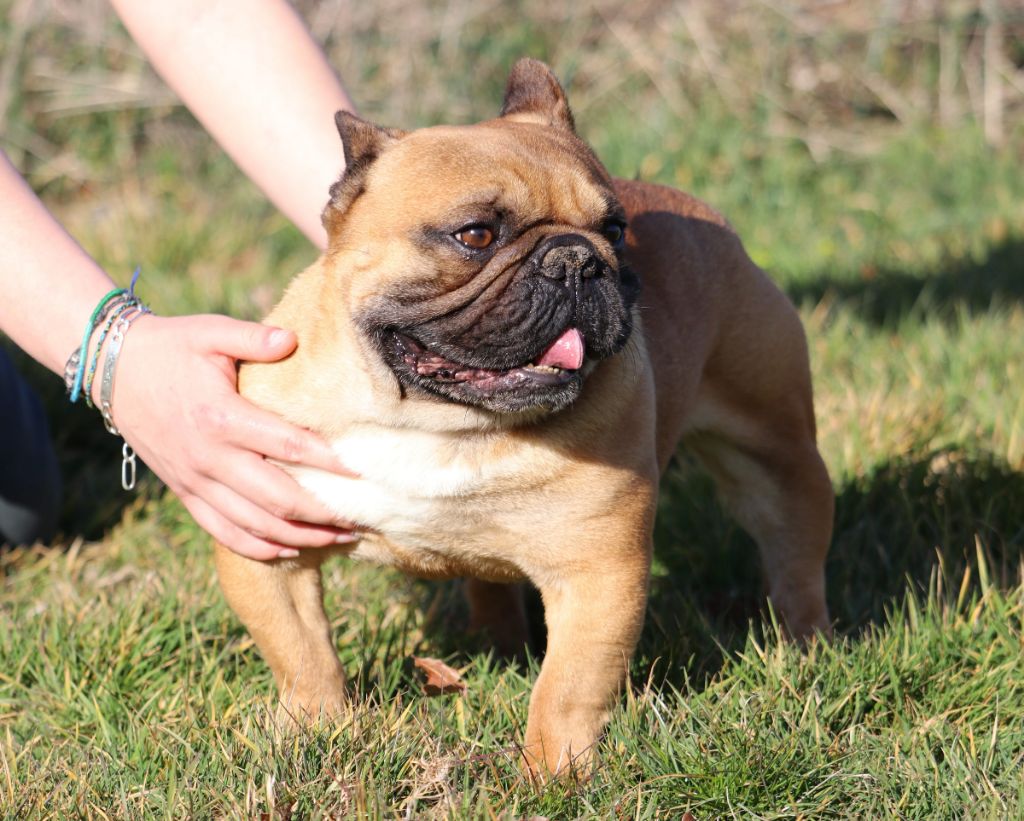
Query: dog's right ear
[[362, 142], [533, 94]]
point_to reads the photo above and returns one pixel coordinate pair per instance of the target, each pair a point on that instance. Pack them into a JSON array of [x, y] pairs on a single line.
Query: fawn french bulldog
[[508, 345]]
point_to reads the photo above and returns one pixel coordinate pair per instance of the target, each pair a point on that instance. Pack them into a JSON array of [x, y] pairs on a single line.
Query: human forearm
[[259, 83], [50, 285], [175, 399], [253, 75]]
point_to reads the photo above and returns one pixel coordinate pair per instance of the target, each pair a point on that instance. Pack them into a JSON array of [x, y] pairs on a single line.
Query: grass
[[129, 690], [132, 692]]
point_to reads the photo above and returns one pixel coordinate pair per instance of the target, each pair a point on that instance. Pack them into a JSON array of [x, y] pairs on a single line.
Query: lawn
[[864, 174]]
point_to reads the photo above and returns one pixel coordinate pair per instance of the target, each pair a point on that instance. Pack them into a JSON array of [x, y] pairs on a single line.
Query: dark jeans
[[30, 486]]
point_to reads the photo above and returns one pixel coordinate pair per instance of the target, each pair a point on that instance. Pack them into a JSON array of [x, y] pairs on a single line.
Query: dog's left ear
[[533, 94], [362, 142]]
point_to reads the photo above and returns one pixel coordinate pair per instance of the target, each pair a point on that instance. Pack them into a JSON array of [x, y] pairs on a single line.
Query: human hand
[[176, 403]]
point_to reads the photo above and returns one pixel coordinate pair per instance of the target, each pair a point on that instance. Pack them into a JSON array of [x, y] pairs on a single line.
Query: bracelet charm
[[127, 467]]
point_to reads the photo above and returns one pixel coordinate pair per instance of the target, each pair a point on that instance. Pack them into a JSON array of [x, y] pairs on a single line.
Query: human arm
[[253, 75], [258, 82], [175, 397]]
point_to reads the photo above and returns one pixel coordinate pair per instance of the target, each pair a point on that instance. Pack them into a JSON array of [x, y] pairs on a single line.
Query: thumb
[[246, 340]]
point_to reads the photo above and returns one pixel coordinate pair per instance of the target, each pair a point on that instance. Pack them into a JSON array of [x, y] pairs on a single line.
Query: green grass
[[129, 690]]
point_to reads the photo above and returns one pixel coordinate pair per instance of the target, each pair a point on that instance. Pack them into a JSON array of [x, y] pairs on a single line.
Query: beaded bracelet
[[116, 312]]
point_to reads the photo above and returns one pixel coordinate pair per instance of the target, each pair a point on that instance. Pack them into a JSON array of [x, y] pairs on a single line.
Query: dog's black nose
[[568, 257]]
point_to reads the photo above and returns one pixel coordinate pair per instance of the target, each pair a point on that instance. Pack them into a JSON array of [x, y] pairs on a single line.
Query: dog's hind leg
[[781, 495], [753, 427], [281, 604], [498, 611]]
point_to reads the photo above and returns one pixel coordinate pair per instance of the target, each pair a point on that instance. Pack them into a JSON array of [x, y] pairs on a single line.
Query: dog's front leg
[[594, 616], [281, 603]]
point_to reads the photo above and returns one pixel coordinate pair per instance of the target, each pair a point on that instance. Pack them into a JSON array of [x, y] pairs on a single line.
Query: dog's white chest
[[423, 491]]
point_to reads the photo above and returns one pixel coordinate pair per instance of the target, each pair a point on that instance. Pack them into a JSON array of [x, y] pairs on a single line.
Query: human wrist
[[91, 366], [103, 339], [50, 332]]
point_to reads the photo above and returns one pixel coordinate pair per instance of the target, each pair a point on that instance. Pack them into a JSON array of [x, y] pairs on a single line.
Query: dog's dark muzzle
[[569, 258], [495, 353]]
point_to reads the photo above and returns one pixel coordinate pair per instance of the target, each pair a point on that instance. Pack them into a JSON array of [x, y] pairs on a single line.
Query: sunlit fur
[[562, 496]]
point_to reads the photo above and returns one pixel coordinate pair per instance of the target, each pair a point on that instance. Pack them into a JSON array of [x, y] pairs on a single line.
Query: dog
[[508, 345]]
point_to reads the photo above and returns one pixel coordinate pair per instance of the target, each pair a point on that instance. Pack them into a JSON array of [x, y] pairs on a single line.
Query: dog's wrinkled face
[[494, 253]]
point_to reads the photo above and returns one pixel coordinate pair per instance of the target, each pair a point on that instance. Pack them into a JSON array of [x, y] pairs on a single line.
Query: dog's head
[[486, 262]]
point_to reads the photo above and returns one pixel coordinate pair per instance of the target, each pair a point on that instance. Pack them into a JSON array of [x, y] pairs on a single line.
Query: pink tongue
[[566, 352]]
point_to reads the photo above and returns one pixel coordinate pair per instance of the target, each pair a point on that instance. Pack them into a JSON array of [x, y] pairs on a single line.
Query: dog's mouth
[[551, 380]]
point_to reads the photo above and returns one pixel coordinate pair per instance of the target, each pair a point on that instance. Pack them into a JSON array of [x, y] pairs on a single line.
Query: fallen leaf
[[441, 679]]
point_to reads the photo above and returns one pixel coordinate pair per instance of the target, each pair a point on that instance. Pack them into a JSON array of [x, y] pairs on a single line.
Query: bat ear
[[533, 94], [362, 142]]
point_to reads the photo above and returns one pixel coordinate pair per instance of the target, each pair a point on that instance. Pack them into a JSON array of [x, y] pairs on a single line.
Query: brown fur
[[566, 500]]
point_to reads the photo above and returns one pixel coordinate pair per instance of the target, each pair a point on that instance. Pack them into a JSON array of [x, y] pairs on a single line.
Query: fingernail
[[288, 553], [278, 337], [347, 538]]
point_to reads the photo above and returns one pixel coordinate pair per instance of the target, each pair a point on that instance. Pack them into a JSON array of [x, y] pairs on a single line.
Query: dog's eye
[[615, 233], [476, 237]]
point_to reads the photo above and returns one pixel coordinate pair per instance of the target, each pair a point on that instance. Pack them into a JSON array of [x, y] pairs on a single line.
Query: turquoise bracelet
[[75, 369], [76, 386]]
